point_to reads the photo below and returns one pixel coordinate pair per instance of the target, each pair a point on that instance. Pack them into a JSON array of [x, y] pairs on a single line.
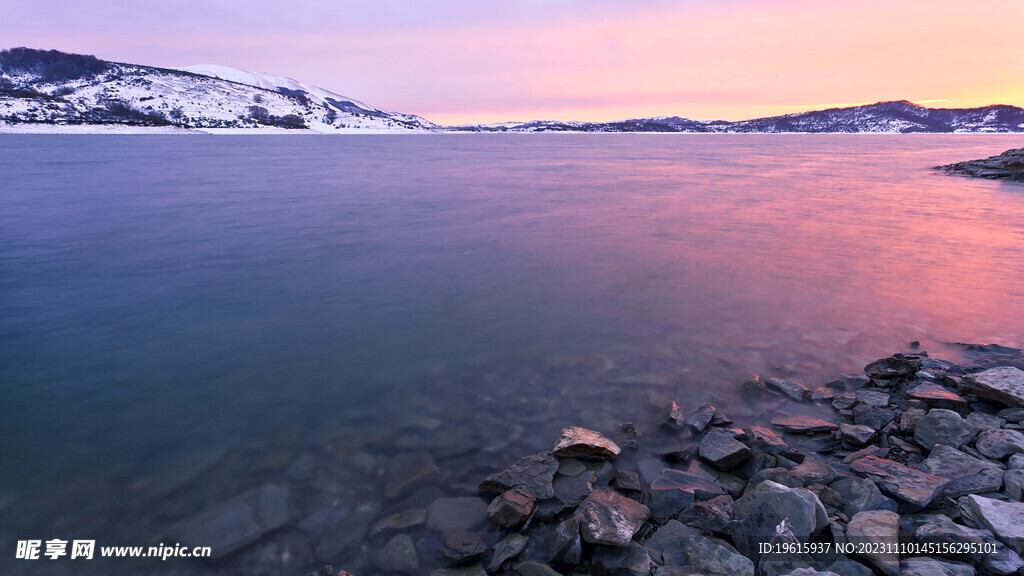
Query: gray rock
[[506, 549], [935, 394], [844, 401], [872, 417], [875, 398], [572, 491], [566, 546], [812, 572], [577, 442], [764, 506], [1014, 484], [777, 474], [922, 566], [239, 521], [711, 516], [625, 435], [570, 467], [461, 548], [753, 388], [631, 560], [792, 390], [877, 527], [456, 514], [804, 424], [534, 474], [813, 471], [1004, 519], [983, 421], [998, 444], [1015, 415], [969, 475], [859, 495], [700, 418], [914, 487], [1016, 461], [766, 440], [399, 521], [398, 555], [511, 508], [627, 482], [672, 417], [407, 471], [665, 536], [674, 490], [856, 435], [535, 569], [943, 427], [715, 557], [1003, 384], [896, 368], [722, 451], [938, 529], [338, 530], [607, 517], [909, 419], [784, 556], [474, 570]]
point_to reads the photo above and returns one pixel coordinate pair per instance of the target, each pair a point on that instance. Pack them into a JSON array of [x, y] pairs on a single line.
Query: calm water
[[222, 305]]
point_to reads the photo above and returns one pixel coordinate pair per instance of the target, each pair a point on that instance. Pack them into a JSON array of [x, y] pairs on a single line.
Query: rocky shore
[[1007, 166], [913, 468]]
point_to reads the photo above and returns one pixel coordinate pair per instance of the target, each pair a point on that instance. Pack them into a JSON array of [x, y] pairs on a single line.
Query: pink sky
[[463, 61]]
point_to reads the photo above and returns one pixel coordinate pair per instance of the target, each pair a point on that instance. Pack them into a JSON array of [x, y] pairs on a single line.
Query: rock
[[406, 471], [859, 495], [875, 398], [943, 427], [998, 444], [804, 424], [456, 514], [856, 435], [877, 527], [570, 467], [325, 571], [909, 419], [922, 566], [715, 557], [872, 417], [674, 490], [896, 368], [625, 435], [720, 449], [607, 517], [398, 555], [672, 417], [627, 482], [813, 471], [631, 560], [461, 548], [983, 421], [1014, 482], [783, 555], [1015, 415], [665, 537], [844, 401], [711, 516], [764, 506], [832, 500], [239, 521], [822, 395], [534, 474], [792, 390], [912, 486], [701, 417], [968, 475], [535, 569], [577, 442], [753, 388], [1016, 461], [1004, 384], [778, 475], [764, 439], [474, 570], [400, 521], [338, 530], [506, 549], [1004, 519], [572, 491], [936, 394], [566, 545], [511, 508]]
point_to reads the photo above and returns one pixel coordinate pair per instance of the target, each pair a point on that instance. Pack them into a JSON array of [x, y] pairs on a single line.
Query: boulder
[[998, 444], [914, 487], [407, 471], [968, 475], [715, 557], [1014, 484], [511, 508], [572, 491], [609, 518], [1004, 519], [875, 398], [943, 427], [764, 506], [877, 527], [664, 537], [625, 435], [1004, 384], [474, 570], [533, 474], [700, 418], [888, 371], [456, 514], [577, 442], [792, 390], [398, 556], [721, 450], [239, 521]]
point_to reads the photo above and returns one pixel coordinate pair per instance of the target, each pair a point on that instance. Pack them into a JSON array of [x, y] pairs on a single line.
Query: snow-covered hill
[[50, 87]]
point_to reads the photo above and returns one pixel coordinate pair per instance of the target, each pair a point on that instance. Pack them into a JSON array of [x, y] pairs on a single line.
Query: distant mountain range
[[51, 88]]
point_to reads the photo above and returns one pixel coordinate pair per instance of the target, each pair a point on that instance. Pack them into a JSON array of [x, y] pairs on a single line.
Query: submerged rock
[[398, 555], [607, 517], [579, 442], [406, 471], [239, 521], [455, 514], [400, 521]]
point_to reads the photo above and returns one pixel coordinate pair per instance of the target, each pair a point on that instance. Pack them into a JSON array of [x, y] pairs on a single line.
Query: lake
[[184, 318]]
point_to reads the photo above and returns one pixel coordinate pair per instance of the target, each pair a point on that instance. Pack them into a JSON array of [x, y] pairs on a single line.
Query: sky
[[469, 61]]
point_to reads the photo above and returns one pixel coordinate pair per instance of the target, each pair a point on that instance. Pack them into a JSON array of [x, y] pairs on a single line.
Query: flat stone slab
[[506, 549], [1003, 384], [804, 424], [674, 490], [792, 390], [873, 528], [998, 444], [721, 450], [935, 393], [607, 517], [1004, 519], [943, 427], [766, 440], [969, 475], [912, 486], [239, 521], [534, 474], [577, 442], [406, 471]]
